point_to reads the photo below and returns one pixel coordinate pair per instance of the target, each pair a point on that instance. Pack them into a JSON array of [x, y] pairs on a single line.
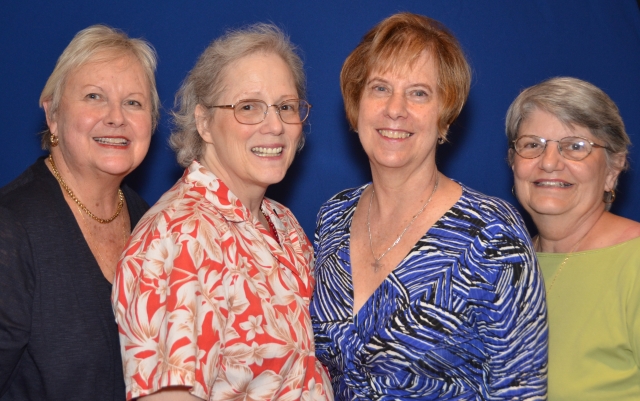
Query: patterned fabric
[[205, 298], [462, 317]]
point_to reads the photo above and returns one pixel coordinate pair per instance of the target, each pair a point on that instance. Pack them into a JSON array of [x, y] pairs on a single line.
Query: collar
[[227, 203]]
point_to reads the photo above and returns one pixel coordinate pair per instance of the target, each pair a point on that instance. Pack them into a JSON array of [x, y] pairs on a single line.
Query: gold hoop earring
[[609, 197], [53, 140], [440, 140]]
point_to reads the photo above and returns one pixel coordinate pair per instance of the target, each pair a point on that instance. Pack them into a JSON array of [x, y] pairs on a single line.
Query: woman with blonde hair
[[65, 220]]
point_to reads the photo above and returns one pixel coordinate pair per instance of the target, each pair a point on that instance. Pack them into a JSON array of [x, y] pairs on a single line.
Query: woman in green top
[[590, 257]]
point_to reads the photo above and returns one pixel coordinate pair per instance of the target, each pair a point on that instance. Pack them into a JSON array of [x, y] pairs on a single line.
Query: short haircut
[[397, 42], [573, 102], [95, 44], [204, 83]]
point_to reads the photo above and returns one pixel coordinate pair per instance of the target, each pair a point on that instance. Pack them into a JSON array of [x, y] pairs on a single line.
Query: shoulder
[[178, 211], [33, 186], [136, 205], [343, 200], [34, 197], [489, 212], [618, 229]]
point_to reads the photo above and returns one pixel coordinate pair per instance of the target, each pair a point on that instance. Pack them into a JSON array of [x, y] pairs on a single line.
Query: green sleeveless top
[[593, 303]]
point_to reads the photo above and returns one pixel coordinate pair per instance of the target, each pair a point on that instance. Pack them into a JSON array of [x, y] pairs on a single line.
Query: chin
[[122, 168], [549, 208]]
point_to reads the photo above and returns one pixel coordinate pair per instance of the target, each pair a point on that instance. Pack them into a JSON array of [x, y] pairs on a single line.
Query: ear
[[617, 165], [511, 157], [52, 122], [202, 123]]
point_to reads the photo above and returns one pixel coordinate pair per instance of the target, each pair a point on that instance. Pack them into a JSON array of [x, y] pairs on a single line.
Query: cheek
[[520, 170]]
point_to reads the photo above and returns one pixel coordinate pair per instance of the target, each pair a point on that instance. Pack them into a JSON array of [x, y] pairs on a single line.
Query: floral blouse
[[206, 298]]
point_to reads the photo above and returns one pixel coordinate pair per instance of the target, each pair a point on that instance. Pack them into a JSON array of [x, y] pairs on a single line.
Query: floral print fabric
[[205, 298]]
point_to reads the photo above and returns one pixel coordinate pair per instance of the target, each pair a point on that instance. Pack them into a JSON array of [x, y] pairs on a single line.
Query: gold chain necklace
[[125, 236], [555, 276], [77, 201], [376, 263]]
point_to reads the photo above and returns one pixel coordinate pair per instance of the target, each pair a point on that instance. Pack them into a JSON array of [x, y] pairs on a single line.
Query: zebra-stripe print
[[462, 317]]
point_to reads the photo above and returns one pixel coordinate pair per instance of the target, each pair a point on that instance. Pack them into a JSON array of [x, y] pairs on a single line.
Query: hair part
[[204, 83], [573, 102], [99, 43], [397, 43]]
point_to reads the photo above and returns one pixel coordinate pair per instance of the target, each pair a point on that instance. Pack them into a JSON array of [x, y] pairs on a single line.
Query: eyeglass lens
[[254, 111], [571, 147]]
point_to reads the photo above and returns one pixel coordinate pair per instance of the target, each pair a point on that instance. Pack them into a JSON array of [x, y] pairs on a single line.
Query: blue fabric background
[[510, 45]]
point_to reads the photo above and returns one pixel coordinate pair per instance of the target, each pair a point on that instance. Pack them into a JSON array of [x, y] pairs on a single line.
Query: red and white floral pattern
[[205, 298]]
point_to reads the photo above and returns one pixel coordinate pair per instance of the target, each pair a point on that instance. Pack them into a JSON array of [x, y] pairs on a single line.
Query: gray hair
[[574, 102], [204, 83], [99, 43]]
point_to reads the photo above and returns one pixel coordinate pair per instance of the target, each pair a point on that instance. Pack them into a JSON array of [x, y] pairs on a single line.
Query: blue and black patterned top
[[462, 317]]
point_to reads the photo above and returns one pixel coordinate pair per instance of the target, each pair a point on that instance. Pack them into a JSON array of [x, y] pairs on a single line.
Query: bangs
[[398, 52]]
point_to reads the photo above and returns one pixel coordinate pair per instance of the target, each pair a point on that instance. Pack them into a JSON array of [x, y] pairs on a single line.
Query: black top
[[58, 336]]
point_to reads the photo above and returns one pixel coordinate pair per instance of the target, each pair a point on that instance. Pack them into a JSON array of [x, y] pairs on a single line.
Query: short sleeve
[[162, 300], [17, 283]]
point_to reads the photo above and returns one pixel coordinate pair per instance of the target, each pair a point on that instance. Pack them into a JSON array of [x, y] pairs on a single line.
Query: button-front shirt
[[206, 298]]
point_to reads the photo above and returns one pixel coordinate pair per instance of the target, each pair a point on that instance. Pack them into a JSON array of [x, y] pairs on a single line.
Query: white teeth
[[553, 184], [394, 134], [266, 152], [111, 141]]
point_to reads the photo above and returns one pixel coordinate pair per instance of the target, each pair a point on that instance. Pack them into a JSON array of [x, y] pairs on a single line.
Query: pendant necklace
[[376, 264]]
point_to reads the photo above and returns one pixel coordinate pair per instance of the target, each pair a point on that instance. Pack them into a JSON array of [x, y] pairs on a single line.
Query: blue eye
[[133, 103], [93, 96]]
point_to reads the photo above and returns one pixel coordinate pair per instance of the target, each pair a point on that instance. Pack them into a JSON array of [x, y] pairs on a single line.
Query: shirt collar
[[227, 203]]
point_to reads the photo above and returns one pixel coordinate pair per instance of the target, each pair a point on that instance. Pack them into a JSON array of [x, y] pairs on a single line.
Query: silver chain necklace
[[376, 263]]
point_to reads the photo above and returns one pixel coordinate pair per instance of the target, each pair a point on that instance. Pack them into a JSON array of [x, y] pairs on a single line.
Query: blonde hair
[[99, 43], [204, 83]]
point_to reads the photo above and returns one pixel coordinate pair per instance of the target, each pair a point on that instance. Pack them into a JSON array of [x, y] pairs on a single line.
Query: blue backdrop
[[510, 45]]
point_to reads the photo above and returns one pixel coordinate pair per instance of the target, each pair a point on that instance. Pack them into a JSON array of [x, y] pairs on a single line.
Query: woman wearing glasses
[[212, 292], [426, 289], [568, 146]]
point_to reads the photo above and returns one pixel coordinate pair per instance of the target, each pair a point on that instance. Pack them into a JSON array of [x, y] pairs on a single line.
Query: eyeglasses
[[570, 147], [253, 111]]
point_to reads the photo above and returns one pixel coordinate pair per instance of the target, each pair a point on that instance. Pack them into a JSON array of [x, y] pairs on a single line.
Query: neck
[[558, 235], [100, 194], [396, 190]]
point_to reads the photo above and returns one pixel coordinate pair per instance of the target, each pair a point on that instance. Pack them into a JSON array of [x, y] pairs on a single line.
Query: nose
[[272, 123], [551, 158], [396, 106], [115, 116]]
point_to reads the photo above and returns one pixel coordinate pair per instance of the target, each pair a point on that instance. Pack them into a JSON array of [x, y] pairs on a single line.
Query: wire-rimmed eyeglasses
[[254, 111], [570, 147]]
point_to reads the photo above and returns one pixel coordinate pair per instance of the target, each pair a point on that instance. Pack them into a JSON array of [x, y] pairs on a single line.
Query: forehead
[[114, 68], [258, 72], [547, 125], [422, 66]]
